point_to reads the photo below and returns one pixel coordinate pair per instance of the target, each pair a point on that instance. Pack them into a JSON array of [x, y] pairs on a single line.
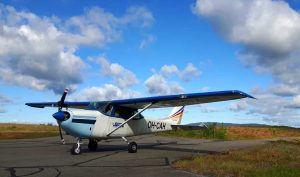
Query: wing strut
[[139, 112]]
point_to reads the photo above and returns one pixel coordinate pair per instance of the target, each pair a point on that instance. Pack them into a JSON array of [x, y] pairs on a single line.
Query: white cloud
[[4, 99], [238, 106], [157, 84], [169, 69], [139, 16], [254, 23], [295, 103], [270, 108], [32, 54], [205, 89], [147, 41], [189, 72], [103, 93], [269, 32], [40, 52], [285, 90], [208, 109], [2, 110], [120, 75], [97, 27]]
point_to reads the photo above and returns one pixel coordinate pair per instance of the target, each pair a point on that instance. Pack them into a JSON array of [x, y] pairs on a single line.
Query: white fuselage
[[93, 124]]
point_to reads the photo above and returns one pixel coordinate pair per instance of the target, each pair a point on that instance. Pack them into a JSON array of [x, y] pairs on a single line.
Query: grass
[[236, 132], [22, 131], [240, 132], [212, 132], [277, 159]]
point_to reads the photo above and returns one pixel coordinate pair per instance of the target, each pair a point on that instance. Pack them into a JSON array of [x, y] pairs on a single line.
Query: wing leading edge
[[182, 99], [79, 105], [158, 101]]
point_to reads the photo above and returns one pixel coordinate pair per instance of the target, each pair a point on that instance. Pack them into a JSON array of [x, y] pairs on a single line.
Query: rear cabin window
[[126, 113]]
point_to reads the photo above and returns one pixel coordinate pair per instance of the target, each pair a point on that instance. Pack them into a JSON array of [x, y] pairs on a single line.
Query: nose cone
[[59, 115]]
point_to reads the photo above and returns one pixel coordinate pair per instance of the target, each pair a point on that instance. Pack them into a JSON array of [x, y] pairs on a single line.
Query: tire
[[76, 150], [132, 147], [92, 145]]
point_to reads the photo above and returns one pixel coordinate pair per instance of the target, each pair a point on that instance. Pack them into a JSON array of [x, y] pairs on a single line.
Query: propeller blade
[[61, 136], [62, 100]]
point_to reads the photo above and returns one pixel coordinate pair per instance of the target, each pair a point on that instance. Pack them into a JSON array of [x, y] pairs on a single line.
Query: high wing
[[157, 101], [181, 99]]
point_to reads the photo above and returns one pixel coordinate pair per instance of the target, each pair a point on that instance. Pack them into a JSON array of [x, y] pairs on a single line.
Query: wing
[[181, 99], [79, 105], [157, 101]]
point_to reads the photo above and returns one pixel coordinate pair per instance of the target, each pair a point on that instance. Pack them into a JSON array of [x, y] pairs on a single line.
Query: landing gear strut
[[76, 149], [93, 144], [132, 146]]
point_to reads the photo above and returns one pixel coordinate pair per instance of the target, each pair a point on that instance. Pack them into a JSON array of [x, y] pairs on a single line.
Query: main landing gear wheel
[[93, 144], [132, 147], [76, 149]]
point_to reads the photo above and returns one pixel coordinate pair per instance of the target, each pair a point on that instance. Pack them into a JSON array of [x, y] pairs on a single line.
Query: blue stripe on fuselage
[[84, 121]]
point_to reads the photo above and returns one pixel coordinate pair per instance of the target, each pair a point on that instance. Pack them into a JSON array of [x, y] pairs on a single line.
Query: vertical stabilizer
[[176, 115]]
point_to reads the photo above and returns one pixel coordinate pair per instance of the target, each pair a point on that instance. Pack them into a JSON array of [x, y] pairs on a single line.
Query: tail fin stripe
[[180, 111]]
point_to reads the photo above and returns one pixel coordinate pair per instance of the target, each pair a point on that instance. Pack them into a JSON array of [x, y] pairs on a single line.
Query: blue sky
[[114, 50]]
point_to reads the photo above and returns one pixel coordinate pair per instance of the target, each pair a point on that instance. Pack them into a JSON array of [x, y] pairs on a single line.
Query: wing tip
[[33, 105], [245, 95]]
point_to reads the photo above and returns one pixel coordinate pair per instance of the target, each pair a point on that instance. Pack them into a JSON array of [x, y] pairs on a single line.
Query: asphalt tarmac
[[47, 157]]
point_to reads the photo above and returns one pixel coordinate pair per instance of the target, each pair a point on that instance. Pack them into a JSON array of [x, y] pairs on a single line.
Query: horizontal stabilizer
[[188, 127]]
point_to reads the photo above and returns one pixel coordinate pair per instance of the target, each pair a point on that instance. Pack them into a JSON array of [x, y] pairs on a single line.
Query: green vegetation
[[236, 132], [276, 159], [22, 131], [212, 132]]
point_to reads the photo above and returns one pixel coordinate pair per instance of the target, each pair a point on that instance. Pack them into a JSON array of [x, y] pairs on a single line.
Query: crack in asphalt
[[40, 169], [58, 172], [12, 172]]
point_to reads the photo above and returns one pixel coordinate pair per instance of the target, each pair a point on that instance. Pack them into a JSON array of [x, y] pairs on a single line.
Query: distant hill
[[231, 124]]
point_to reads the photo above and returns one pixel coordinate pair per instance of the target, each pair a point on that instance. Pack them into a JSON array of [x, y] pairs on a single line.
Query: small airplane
[[123, 118]]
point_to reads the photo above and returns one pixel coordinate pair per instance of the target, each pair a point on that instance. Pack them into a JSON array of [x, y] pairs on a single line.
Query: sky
[[107, 50]]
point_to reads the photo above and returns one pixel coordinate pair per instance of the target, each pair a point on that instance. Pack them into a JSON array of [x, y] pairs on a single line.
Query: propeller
[[60, 115]]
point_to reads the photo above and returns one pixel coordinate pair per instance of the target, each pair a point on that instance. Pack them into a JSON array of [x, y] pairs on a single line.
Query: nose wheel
[[132, 146], [76, 149]]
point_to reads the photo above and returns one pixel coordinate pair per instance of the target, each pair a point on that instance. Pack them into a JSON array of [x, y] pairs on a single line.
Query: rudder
[[176, 115]]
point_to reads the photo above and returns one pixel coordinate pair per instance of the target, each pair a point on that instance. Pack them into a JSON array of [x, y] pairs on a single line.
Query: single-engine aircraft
[[123, 118]]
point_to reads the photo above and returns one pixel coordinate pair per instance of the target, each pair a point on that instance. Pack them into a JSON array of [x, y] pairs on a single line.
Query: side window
[[108, 110]]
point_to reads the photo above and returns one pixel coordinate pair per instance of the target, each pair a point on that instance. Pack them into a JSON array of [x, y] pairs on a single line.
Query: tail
[[176, 115]]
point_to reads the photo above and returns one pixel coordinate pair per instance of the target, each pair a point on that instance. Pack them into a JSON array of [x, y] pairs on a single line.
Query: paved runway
[[47, 157]]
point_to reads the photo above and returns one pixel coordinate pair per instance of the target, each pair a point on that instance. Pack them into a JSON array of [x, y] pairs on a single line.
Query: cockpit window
[[115, 111], [105, 108]]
